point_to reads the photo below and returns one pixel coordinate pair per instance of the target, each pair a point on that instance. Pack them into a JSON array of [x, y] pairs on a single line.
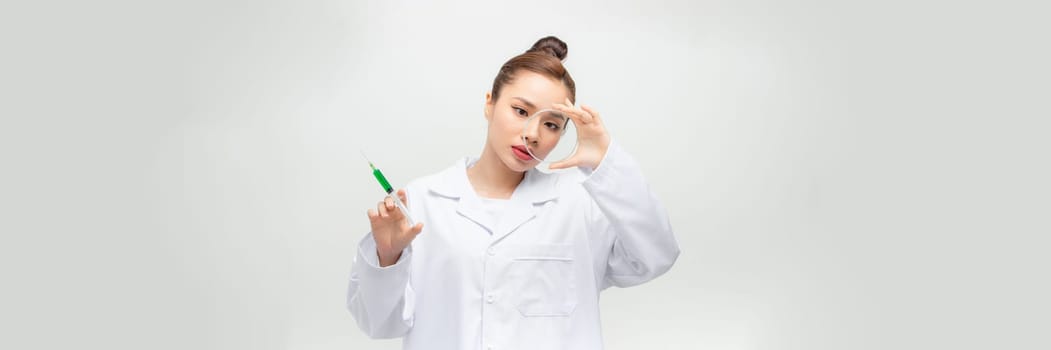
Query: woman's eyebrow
[[526, 102]]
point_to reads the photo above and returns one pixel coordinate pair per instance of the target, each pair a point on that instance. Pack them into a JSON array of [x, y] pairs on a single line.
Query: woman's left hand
[[592, 138]]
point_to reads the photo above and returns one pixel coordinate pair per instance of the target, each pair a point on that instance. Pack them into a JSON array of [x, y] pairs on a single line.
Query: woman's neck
[[491, 178]]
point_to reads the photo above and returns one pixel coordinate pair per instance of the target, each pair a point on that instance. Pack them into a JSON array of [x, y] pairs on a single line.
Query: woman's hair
[[544, 58]]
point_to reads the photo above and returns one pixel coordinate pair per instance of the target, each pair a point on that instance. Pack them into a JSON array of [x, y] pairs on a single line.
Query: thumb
[[415, 230], [572, 162]]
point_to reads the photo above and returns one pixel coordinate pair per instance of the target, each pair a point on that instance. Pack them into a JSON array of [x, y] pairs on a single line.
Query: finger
[[570, 112], [592, 112], [404, 199], [584, 113], [381, 207], [576, 114], [392, 209], [563, 105], [373, 215]]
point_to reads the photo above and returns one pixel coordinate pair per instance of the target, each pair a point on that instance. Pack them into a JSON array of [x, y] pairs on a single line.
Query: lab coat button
[[490, 299], [491, 252]]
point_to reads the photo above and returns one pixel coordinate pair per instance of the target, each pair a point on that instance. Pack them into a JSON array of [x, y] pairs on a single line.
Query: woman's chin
[[518, 165]]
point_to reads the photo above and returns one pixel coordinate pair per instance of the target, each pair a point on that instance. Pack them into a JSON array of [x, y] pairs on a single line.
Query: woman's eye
[[552, 126], [520, 112]]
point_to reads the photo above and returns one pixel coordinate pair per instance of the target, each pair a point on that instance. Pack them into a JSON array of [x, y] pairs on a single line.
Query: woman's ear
[[489, 106]]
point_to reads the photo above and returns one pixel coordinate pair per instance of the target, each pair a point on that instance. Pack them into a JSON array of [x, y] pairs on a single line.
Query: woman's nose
[[530, 134], [532, 131], [530, 138]]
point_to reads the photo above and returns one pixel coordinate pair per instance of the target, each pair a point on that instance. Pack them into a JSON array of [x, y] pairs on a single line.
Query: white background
[[840, 174]]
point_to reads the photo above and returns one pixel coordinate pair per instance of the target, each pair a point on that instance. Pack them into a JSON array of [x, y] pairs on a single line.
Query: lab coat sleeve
[[381, 298], [627, 212]]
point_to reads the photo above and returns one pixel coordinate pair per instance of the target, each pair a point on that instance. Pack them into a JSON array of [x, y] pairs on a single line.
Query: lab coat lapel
[[471, 208], [516, 213], [535, 189], [454, 185]]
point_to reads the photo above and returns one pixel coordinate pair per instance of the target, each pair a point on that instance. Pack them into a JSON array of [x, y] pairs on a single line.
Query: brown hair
[[544, 58]]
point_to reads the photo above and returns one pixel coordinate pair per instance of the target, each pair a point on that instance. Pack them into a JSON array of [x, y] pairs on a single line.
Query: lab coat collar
[[536, 188]]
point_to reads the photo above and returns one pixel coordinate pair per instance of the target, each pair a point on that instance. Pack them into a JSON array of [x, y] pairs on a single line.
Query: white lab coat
[[531, 280]]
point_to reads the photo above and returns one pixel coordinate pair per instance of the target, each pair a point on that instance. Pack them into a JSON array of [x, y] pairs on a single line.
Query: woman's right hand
[[391, 229]]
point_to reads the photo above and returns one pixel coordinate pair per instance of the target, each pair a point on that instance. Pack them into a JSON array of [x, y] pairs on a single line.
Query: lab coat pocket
[[544, 279]]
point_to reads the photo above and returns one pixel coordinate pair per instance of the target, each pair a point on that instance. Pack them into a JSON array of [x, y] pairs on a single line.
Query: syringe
[[390, 190]]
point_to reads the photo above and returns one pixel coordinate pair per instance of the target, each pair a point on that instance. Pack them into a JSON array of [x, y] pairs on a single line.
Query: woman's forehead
[[536, 88]]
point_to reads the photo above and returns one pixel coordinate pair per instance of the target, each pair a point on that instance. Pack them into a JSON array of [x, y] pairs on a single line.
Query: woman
[[504, 256]]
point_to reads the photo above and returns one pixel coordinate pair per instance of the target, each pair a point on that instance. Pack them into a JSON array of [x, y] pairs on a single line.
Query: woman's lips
[[521, 152]]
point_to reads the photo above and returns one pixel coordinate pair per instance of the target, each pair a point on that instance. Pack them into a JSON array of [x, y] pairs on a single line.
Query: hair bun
[[552, 46]]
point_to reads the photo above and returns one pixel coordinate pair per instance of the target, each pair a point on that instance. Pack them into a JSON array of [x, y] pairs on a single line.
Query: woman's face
[[528, 93]]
